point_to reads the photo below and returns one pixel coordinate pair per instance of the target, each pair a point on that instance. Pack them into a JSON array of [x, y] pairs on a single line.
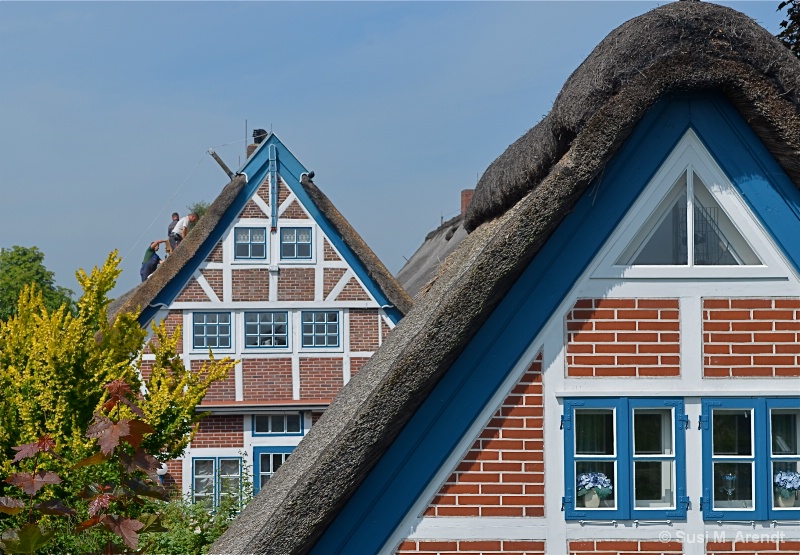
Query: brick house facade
[[278, 281]]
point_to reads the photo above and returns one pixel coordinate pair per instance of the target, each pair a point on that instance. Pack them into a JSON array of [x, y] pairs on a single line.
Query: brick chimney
[[466, 196], [258, 137]]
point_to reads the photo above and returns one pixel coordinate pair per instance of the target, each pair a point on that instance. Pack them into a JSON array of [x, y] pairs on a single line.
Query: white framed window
[[320, 328], [215, 479], [211, 330], [278, 424], [267, 329], [250, 243], [296, 243]]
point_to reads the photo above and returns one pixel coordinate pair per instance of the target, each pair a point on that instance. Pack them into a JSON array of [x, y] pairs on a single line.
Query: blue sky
[[107, 109]]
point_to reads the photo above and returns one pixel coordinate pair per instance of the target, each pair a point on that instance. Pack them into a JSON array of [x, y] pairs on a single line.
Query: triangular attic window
[[670, 238]]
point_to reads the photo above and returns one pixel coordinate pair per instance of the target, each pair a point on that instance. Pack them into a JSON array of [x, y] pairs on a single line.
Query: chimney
[[466, 196], [258, 137]]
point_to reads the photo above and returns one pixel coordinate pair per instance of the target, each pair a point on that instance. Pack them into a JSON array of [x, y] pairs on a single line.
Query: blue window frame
[[320, 328], [211, 330], [214, 479], [296, 243], [250, 242], [624, 458], [266, 461], [285, 424], [750, 452], [266, 329]]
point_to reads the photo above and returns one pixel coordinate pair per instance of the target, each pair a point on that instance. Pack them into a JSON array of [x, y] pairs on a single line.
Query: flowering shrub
[[596, 481], [787, 483]]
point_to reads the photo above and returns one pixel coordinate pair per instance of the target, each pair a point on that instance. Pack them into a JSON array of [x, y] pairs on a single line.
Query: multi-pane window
[[267, 461], [295, 243], [624, 458], [751, 467], [320, 328], [212, 330], [250, 242], [283, 424], [266, 329], [215, 479]]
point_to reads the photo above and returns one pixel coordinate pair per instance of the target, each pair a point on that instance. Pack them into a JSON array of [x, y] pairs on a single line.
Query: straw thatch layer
[[680, 46]]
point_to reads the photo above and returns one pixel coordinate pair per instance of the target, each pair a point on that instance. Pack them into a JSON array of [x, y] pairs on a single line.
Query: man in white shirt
[[182, 228]]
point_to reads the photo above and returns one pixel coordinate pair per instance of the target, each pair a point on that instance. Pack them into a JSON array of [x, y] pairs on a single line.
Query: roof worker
[[182, 228], [175, 218], [151, 259]]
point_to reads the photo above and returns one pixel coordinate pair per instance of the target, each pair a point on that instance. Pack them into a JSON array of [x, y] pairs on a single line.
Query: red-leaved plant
[[110, 505]]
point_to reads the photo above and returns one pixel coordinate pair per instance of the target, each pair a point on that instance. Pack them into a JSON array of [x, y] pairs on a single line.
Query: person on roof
[[175, 218], [182, 228], [151, 259]]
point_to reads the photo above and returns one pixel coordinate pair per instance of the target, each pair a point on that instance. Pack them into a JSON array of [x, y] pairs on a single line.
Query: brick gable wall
[[250, 285], [223, 390], [263, 191], [330, 277], [294, 212], [329, 254], [623, 337], [216, 253], [214, 279], [220, 431], [267, 379], [353, 292], [363, 330], [503, 472], [296, 284], [624, 547], [751, 338], [192, 293], [172, 322], [767, 545], [476, 547], [252, 210], [320, 378]]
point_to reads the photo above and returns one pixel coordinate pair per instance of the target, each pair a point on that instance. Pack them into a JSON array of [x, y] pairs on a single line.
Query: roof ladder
[[273, 186]]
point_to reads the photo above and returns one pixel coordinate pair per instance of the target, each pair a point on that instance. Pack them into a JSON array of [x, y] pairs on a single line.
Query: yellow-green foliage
[[53, 366]]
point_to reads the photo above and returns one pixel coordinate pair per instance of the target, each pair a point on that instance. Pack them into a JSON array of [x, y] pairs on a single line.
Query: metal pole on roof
[[222, 165]]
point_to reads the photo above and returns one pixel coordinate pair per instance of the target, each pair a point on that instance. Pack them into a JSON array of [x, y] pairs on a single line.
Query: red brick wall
[[173, 479], [263, 191], [216, 253], [267, 379], [295, 212], [353, 292], [330, 277], [385, 329], [220, 430], [173, 320], [192, 293], [214, 279], [363, 329], [252, 210], [330, 254], [250, 285], [283, 191], [751, 337], [356, 363], [623, 337], [315, 416], [448, 547], [503, 472], [761, 546], [145, 369], [624, 547], [223, 390], [296, 284], [320, 378]]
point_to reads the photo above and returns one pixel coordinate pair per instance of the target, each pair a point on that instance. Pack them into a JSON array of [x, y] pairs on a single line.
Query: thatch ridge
[[699, 35], [536, 186]]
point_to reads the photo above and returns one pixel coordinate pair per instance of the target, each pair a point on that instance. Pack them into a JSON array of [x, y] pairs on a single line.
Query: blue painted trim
[[401, 475], [256, 169], [295, 243], [302, 431], [338, 334], [257, 452], [236, 242], [256, 348]]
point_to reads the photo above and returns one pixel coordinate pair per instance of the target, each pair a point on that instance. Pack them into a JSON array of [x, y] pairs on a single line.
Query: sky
[[108, 109]]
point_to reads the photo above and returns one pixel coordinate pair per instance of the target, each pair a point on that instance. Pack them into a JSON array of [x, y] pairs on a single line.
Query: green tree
[[54, 363], [790, 27], [200, 208], [21, 266]]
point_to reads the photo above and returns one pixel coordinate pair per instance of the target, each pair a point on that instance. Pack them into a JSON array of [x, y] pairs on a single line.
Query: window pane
[[229, 467], [292, 423], [594, 432], [242, 250], [203, 486], [732, 434], [288, 235], [652, 432], [262, 424], [278, 424], [595, 484], [257, 251], [786, 484], [287, 250], [204, 468], [653, 484], [784, 431], [733, 485], [304, 251], [229, 485]]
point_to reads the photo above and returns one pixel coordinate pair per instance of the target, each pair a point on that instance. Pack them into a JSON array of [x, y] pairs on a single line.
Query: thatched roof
[[424, 264], [684, 46], [182, 262]]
